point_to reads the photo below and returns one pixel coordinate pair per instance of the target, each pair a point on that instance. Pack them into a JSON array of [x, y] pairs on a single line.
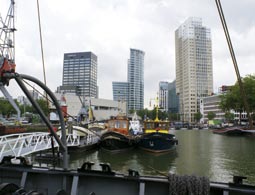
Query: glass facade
[[80, 70], [136, 80]]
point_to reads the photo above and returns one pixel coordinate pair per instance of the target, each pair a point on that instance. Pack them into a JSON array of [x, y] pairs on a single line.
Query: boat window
[[117, 124], [124, 124], [150, 126]]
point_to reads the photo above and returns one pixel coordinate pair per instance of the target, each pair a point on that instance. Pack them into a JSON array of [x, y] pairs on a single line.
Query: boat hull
[[157, 142], [87, 180], [234, 131], [116, 142], [5, 130]]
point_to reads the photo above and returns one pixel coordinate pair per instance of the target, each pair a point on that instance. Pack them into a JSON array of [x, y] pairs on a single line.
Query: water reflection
[[199, 152], [143, 162]]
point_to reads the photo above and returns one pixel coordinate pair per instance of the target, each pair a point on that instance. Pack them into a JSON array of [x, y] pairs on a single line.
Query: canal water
[[199, 152]]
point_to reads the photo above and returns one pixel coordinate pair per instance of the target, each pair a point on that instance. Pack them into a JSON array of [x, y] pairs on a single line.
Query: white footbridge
[[27, 143]]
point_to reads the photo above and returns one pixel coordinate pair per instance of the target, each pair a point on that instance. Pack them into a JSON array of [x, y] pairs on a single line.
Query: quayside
[[17, 176]]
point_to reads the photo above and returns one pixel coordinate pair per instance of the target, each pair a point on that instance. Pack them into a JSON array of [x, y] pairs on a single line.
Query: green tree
[[198, 116], [174, 116], [43, 105], [229, 116], [211, 115], [6, 108], [233, 100]]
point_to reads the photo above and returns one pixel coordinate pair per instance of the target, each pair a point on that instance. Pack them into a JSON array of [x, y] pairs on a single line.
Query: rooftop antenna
[[239, 79]]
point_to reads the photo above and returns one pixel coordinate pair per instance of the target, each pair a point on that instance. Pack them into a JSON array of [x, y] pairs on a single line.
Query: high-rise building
[[163, 95], [136, 80], [80, 74], [194, 74], [120, 91], [173, 99]]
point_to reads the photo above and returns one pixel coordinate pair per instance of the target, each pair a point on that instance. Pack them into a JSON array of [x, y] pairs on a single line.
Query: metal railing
[[27, 143]]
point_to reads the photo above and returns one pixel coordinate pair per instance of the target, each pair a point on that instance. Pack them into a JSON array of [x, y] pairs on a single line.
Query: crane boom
[[7, 49]]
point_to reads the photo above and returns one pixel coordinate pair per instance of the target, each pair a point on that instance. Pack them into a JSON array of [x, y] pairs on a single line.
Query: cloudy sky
[[109, 28]]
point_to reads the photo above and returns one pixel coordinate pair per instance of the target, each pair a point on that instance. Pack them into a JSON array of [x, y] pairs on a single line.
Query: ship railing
[[92, 139]]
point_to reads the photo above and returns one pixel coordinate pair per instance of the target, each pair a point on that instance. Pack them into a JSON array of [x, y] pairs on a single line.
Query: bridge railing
[[27, 143]]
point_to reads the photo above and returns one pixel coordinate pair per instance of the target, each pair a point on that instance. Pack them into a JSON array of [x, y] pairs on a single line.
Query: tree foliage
[[198, 116], [151, 114], [233, 98], [6, 108], [211, 115], [229, 116]]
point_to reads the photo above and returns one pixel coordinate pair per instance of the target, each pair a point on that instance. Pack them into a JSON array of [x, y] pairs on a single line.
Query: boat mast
[[239, 79], [156, 119]]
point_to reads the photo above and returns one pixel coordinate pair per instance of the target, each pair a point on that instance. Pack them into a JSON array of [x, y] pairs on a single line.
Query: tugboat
[[117, 138], [156, 137]]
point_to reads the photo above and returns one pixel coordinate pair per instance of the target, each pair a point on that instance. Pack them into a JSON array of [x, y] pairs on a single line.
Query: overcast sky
[[109, 28]]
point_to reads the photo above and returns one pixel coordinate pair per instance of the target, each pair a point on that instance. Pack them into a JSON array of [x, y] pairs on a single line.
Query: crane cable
[[231, 50], [42, 53]]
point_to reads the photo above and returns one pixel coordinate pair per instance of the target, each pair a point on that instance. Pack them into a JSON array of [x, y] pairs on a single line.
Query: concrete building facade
[[194, 73], [103, 109]]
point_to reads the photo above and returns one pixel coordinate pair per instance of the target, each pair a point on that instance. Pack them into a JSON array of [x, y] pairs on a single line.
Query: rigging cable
[[42, 53], [232, 53]]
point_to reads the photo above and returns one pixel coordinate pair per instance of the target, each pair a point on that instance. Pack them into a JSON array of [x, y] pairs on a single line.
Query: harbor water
[[199, 152]]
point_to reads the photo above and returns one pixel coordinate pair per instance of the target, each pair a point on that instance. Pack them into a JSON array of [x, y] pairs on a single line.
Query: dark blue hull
[[157, 142], [116, 142]]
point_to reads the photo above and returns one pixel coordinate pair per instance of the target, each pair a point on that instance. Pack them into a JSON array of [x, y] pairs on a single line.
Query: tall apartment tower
[[80, 74], [163, 95], [194, 73], [136, 80]]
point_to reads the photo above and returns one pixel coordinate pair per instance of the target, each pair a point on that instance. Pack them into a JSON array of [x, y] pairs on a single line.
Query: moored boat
[[10, 129], [117, 137], [234, 131], [156, 137]]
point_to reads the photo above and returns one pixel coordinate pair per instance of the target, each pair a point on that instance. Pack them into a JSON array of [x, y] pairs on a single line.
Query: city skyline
[[110, 29]]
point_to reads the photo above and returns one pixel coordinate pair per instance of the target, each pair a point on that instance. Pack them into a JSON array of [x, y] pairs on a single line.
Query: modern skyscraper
[[80, 73], [173, 99], [194, 74], [120, 91], [163, 95], [136, 80]]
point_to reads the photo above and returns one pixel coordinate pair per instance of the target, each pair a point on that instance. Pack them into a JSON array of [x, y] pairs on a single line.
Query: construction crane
[[7, 54], [7, 50], [7, 72]]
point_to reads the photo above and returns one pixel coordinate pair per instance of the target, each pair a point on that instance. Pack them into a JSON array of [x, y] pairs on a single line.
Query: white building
[[102, 109], [212, 104], [194, 74]]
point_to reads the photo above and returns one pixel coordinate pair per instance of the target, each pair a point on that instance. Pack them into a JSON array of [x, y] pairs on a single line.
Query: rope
[[188, 185]]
